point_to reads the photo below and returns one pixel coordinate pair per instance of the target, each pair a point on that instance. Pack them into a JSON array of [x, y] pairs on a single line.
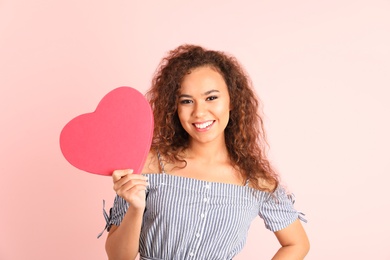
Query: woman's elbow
[[305, 247]]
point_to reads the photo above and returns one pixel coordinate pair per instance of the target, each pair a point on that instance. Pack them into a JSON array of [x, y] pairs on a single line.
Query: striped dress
[[186, 218]]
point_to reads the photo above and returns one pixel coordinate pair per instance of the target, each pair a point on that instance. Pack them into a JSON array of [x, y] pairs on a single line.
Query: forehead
[[203, 79]]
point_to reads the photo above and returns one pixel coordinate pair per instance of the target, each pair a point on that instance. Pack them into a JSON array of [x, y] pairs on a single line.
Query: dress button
[[191, 254], [202, 215], [197, 235], [206, 200], [207, 186]]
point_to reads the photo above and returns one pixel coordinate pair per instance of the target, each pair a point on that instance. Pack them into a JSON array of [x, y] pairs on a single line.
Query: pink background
[[322, 69]]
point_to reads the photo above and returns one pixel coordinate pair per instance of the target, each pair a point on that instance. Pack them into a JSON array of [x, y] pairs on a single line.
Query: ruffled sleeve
[[117, 212], [278, 210]]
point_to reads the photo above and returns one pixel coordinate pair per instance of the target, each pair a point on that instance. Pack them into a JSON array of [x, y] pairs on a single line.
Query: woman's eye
[[212, 98], [185, 101]]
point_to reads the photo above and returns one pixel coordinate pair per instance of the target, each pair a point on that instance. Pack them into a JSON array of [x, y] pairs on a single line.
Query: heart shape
[[117, 135]]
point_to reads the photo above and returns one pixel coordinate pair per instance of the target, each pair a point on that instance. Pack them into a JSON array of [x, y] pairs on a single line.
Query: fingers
[[128, 182], [125, 180], [130, 187], [118, 174]]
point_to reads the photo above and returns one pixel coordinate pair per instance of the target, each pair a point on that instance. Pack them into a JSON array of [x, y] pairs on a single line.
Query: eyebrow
[[204, 94]]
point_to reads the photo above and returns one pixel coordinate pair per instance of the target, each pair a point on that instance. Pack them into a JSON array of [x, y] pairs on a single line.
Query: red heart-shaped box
[[117, 135]]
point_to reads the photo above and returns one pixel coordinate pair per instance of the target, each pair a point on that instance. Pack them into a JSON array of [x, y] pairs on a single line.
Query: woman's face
[[204, 105]]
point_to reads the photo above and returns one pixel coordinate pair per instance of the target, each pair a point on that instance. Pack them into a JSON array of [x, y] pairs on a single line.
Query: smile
[[204, 125]]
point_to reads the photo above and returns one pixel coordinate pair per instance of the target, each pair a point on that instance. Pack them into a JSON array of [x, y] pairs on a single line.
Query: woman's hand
[[131, 187]]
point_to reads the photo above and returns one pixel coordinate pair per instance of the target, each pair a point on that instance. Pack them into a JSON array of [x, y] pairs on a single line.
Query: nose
[[199, 110]]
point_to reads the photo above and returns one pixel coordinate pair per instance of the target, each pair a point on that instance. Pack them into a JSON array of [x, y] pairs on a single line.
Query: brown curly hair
[[244, 135]]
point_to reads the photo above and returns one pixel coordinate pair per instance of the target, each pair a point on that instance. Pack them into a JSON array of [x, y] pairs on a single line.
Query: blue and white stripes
[[187, 218]]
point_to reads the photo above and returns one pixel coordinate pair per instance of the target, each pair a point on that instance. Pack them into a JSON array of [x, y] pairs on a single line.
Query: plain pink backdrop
[[322, 69]]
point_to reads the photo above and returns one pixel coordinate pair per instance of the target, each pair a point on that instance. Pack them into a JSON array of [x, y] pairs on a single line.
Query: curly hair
[[244, 135]]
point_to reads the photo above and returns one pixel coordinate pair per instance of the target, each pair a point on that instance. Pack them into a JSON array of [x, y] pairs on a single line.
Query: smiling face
[[204, 105]]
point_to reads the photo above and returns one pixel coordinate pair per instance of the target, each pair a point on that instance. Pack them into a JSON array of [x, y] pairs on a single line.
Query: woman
[[206, 176]]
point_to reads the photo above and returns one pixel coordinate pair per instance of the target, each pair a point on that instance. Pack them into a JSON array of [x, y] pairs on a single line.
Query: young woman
[[207, 176]]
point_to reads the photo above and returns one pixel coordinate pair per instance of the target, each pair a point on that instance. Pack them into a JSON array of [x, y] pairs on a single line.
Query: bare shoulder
[[151, 164]]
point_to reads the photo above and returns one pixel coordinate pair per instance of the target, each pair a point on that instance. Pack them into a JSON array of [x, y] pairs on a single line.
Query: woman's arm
[[294, 241], [123, 241]]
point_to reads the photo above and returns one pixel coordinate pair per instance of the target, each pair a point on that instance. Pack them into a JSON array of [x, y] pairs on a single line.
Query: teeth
[[203, 125]]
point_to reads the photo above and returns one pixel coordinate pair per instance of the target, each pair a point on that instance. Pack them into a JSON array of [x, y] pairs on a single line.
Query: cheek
[[223, 109], [182, 114]]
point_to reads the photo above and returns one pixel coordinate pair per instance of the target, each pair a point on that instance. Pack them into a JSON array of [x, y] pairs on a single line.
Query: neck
[[207, 152]]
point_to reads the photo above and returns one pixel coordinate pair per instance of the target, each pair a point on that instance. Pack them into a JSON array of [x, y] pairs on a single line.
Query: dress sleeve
[[116, 214], [118, 211], [278, 210]]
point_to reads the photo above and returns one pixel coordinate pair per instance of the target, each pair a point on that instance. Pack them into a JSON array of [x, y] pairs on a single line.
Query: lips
[[204, 125]]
